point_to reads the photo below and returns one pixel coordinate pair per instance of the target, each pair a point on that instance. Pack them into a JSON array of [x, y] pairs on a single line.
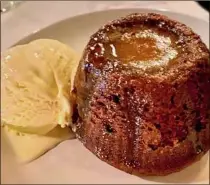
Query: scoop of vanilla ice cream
[[36, 81], [26, 147]]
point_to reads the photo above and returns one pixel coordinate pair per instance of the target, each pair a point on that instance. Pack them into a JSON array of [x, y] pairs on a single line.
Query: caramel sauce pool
[[133, 49], [138, 48]]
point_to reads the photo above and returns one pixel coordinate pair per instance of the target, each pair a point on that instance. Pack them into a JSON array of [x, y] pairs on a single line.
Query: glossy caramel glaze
[[143, 95], [139, 47]]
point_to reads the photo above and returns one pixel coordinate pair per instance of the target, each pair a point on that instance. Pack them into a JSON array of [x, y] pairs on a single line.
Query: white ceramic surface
[[70, 162], [31, 16]]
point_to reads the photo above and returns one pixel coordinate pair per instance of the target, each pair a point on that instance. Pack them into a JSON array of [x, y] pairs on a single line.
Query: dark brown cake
[[143, 95]]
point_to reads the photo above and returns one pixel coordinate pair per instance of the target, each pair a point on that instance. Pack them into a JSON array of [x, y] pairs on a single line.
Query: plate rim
[[163, 10]]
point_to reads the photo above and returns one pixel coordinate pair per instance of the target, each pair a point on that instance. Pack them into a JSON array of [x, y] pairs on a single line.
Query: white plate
[[70, 162]]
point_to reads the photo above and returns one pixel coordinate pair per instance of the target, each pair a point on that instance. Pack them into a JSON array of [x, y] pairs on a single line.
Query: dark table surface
[[205, 5]]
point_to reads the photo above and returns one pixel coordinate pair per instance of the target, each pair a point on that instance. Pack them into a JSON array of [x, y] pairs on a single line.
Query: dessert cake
[[143, 95]]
